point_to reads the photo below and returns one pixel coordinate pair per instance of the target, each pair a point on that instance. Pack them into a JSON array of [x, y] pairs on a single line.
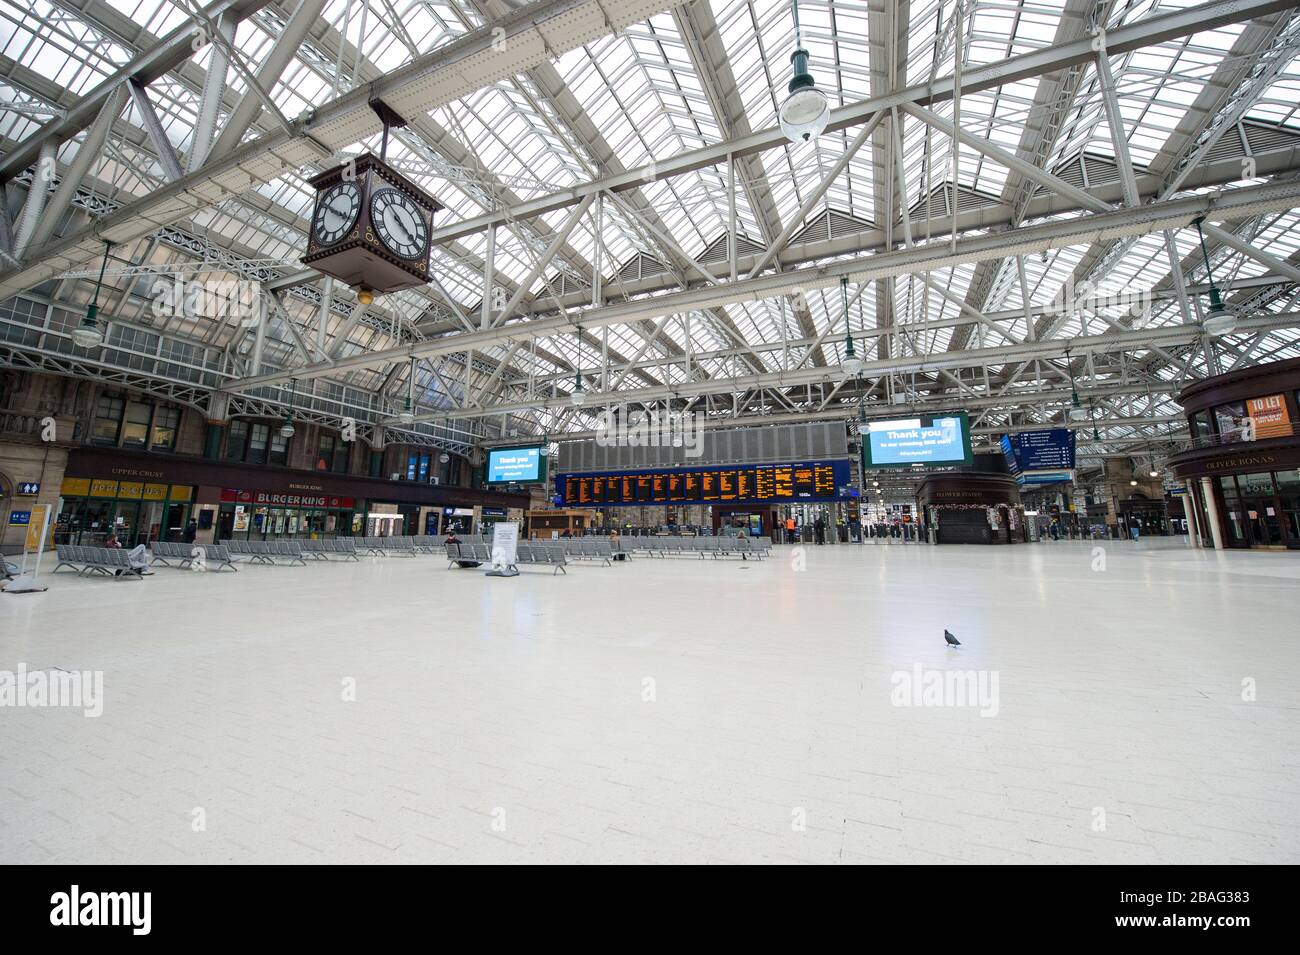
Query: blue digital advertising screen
[[1046, 450], [925, 441], [744, 484], [516, 466], [1009, 452]]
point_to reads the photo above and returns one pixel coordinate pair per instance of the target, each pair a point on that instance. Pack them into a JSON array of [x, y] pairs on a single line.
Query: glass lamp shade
[[1219, 321], [88, 334], [804, 114]]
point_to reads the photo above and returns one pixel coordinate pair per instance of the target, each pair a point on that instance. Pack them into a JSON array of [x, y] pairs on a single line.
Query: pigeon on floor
[[952, 641]]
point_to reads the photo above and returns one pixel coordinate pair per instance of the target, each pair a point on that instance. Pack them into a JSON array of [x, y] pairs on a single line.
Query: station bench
[[266, 552], [342, 547], [108, 561], [215, 557]]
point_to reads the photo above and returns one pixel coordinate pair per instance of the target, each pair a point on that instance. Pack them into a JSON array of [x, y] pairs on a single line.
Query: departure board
[[745, 485], [784, 483], [764, 484], [726, 485]]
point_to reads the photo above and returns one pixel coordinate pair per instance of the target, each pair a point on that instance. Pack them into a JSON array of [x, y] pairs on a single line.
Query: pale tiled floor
[[519, 702]]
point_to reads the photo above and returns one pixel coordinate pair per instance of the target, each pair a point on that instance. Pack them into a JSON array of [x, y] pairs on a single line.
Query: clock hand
[[398, 222]]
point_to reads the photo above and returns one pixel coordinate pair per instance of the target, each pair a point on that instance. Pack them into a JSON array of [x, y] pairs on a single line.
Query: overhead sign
[[1009, 452], [1050, 449], [516, 466], [760, 484], [1044, 477], [936, 441], [29, 488]]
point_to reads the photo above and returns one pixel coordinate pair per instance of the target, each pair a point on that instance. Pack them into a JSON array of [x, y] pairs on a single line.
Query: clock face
[[399, 223], [336, 213]]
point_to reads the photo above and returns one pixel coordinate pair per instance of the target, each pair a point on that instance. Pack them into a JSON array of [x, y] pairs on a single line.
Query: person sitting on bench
[[453, 539]]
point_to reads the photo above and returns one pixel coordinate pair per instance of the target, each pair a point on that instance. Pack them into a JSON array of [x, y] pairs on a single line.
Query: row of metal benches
[[467, 554], [715, 547], [108, 561]]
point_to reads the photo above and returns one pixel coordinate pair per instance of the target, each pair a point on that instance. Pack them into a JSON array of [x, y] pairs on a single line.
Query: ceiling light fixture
[[408, 408], [1076, 407], [88, 333], [1217, 319], [578, 397], [852, 363], [805, 112], [287, 429]]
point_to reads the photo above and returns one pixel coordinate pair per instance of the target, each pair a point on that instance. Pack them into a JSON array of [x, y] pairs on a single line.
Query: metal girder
[[1173, 213], [723, 423], [173, 50], [1028, 351], [1132, 36], [529, 34], [89, 150], [162, 146], [277, 60]]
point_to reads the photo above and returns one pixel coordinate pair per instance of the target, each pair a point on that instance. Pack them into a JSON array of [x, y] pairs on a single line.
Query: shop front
[[1242, 468], [137, 512], [144, 497], [260, 515], [972, 508]]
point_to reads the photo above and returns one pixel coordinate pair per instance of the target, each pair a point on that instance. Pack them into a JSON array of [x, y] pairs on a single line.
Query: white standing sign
[[504, 540]]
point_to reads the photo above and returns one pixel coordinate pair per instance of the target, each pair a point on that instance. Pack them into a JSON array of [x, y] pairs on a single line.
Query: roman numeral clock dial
[[399, 224], [372, 228], [337, 213]]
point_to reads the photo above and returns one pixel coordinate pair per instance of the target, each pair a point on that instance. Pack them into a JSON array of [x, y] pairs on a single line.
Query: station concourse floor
[[668, 710]]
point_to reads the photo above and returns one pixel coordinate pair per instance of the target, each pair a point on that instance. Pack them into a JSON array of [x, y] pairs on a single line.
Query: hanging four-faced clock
[[371, 227]]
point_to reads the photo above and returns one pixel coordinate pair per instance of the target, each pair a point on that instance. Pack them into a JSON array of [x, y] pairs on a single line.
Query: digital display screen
[[516, 466], [770, 484], [938, 440], [1047, 450], [1009, 452]]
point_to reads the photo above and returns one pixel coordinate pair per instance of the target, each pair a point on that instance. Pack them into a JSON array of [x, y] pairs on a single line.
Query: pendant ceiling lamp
[[578, 397], [1217, 320], [408, 407], [287, 429], [852, 363], [88, 333], [1076, 406], [805, 112]]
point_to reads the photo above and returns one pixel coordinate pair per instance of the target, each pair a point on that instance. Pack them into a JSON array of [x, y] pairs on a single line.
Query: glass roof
[[690, 77]]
